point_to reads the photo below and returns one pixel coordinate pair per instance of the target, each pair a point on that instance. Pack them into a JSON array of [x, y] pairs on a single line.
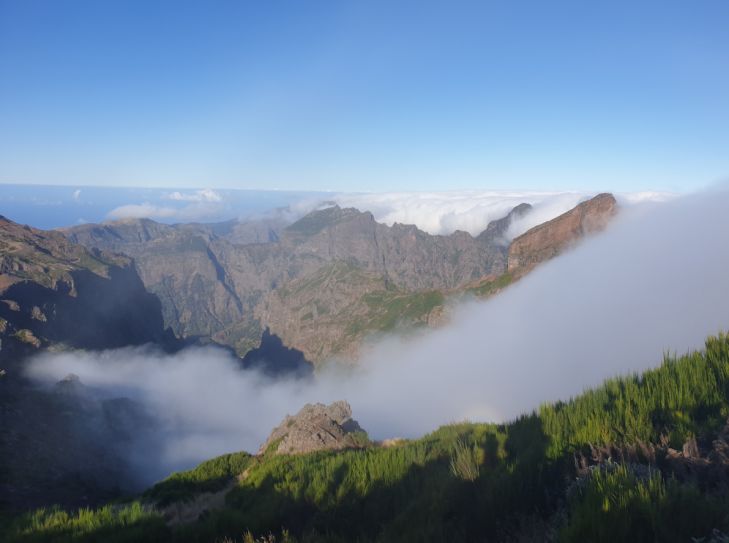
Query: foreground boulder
[[316, 427]]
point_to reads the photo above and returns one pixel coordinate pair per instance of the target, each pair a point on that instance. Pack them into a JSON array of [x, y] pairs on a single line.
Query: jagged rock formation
[[316, 427], [496, 230], [321, 284], [553, 237], [274, 359]]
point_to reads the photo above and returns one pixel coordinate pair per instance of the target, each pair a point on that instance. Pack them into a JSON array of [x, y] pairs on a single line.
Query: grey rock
[[316, 427]]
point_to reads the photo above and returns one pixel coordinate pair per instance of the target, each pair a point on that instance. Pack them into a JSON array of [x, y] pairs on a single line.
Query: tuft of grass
[[465, 461]]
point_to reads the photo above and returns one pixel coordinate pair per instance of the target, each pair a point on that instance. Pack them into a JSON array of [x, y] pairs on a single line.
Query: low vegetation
[[467, 482], [465, 460], [492, 286], [111, 524], [209, 476], [619, 505]]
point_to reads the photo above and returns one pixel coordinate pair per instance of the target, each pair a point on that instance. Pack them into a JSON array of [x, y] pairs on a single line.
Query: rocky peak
[[496, 230], [554, 237], [322, 219], [316, 427], [116, 233]]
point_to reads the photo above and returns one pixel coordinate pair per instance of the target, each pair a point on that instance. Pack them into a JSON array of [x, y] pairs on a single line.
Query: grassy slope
[[524, 471]]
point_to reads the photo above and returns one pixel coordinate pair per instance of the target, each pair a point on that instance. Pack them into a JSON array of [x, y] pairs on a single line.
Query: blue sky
[[352, 96]]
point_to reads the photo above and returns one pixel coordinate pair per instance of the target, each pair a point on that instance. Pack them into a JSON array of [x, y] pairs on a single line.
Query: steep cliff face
[[55, 292], [64, 445], [408, 257], [320, 284], [551, 238]]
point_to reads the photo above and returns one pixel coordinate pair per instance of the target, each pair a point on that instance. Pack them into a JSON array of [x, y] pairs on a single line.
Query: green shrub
[[465, 460], [210, 476], [618, 505], [127, 523]]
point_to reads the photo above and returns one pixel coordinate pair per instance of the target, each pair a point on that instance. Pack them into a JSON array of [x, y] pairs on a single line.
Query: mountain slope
[[55, 292], [57, 445], [327, 282], [315, 283], [553, 237]]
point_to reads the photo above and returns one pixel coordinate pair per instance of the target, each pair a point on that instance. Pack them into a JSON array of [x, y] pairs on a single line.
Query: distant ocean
[[53, 206]]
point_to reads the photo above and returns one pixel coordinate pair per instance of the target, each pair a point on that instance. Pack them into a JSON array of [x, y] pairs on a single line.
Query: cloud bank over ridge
[[433, 212]]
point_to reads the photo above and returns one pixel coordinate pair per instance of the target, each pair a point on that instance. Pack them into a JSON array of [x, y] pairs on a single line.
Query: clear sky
[[370, 95]]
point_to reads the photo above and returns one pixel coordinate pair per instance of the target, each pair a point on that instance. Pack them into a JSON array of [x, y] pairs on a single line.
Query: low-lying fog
[[657, 280]]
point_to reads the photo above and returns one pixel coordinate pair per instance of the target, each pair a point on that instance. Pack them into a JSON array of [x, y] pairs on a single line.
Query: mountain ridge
[[231, 292]]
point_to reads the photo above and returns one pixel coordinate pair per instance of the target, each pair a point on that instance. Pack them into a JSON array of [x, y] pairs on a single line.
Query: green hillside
[[534, 479]]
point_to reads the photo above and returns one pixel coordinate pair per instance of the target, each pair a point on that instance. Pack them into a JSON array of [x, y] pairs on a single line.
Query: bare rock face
[[554, 237], [321, 284], [316, 427]]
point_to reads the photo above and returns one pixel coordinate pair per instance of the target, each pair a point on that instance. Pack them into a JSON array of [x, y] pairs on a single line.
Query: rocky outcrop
[[496, 231], [551, 238], [274, 359], [316, 427]]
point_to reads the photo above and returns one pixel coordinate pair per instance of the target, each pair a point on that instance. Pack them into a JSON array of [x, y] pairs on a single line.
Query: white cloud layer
[[656, 280], [471, 211], [203, 195], [433, 212]]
